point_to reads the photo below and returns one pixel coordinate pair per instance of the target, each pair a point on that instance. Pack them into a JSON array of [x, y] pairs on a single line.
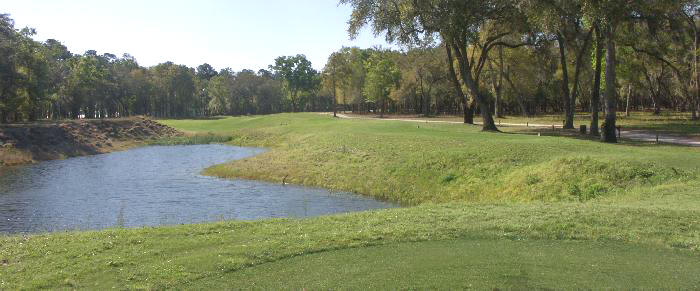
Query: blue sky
[[237, 34]]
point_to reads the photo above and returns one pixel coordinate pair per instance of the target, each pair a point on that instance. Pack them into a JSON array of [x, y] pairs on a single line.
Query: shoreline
[[28, 143]]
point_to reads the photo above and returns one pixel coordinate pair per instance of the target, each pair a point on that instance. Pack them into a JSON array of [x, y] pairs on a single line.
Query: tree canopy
[[485, 57]]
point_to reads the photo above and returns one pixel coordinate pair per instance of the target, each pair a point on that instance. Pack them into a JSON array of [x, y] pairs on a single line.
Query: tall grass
[[192, 139]]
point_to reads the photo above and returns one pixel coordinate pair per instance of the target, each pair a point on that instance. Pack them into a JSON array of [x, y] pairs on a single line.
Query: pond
[[149, 186]]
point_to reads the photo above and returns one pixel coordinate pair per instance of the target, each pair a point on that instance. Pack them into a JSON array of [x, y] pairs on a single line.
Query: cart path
[[637, 135]]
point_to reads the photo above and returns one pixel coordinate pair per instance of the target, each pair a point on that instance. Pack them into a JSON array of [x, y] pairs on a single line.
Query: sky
[[240, 34]]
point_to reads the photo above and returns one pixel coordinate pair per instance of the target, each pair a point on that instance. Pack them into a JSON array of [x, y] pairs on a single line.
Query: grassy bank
[[416, 163], [499, 210]]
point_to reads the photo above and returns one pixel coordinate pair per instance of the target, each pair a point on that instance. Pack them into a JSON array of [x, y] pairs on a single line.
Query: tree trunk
[[465, 109], [381, 111], [524, 111], [568, 108], [577, 75], [468, 79], [657, 109], [419, 81], [697, 74], [609, 129], [495, 103], [627, 106], [521, 102], [335, 105], [468, 113], [654, 93], [498, 86], [595, 96], [570, 96], [437, 104]]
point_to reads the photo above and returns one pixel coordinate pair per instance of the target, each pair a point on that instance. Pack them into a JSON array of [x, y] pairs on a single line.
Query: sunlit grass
[[168, 257], [476, 264], [414, 163], [498, 210]]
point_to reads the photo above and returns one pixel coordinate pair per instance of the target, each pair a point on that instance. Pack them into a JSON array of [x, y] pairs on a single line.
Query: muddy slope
[[38, 141]]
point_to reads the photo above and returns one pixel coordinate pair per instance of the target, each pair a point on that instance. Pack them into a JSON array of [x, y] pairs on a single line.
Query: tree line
[[44, 80], [486, 57], [532, 56]]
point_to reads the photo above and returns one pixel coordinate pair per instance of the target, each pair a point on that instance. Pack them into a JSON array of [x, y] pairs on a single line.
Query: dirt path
[[636, 135]]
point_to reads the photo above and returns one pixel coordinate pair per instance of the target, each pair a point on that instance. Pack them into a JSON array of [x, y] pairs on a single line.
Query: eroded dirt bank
[[47, 140]]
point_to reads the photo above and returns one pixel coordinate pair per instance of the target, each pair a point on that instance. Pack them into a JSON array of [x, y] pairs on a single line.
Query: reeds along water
[[192, 140]]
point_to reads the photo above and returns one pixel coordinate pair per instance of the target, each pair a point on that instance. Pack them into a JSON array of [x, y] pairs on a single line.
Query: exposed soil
[[47, 140]]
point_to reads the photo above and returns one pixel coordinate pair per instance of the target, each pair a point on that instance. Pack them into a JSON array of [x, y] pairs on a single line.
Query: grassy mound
[[586, 178], [418, 163]]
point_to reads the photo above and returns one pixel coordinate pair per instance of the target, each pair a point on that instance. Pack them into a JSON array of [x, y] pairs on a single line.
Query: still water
[[159, 185]]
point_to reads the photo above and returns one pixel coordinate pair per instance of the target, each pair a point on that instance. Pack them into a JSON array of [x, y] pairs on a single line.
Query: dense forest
[[486, 57]]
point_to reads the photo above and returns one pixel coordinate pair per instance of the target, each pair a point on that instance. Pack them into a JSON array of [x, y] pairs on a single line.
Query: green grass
[[167, 257], [478, 263], [416, 163], [504, 210]]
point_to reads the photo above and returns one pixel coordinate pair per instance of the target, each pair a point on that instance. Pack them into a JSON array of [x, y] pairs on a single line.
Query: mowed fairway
[[476, 263], [483, 210]]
